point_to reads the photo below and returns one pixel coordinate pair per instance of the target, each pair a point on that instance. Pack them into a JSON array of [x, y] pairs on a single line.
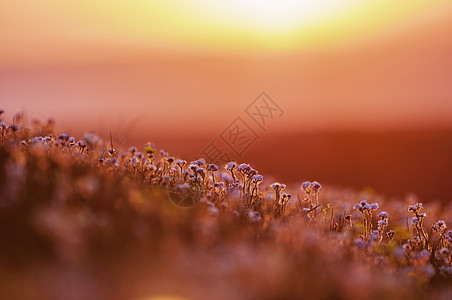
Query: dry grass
[[83, 220]]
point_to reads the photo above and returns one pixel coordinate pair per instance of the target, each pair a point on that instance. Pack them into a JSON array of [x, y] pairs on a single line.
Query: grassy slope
[[72, 227]]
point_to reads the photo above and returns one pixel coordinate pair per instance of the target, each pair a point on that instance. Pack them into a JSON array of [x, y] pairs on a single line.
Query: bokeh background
[[366, 86]]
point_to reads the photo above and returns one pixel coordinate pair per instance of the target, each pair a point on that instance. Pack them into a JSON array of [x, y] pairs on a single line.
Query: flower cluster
[[417, 222], [363, 206]]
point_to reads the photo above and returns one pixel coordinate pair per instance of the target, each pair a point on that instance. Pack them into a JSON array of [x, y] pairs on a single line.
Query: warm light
[[85, 30], [276, 15]]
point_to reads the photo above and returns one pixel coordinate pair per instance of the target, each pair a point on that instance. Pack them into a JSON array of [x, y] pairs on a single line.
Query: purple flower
[[258, 178], [316, 186], [278, 186], [374, 206], [230, 166], [305, 185], [212, 168]]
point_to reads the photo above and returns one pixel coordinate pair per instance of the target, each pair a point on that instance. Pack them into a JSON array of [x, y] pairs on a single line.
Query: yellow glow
[[246, 24], [276, 15], [94, 29]]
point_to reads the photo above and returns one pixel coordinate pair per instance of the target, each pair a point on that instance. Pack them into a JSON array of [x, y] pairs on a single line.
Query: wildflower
[[251, 172], [305, 185], [243, 168], [231, 165], [278, 186], [200, 162], [180, 162], [439, 226], [63, 137], [415, 220], [81, 144], [212, 168], [170, 159], [258, 178], [132, 150], [364, 206], [415, 208], [316, 186], [383, 223], [374, 206], [284, 200], [448, 236], [383, 215], [200, 171]]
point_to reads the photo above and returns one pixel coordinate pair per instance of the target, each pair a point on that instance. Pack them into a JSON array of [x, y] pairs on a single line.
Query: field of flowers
[[82, 219]]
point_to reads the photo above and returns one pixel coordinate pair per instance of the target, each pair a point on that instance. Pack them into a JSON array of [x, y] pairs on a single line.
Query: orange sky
[[175, 66]]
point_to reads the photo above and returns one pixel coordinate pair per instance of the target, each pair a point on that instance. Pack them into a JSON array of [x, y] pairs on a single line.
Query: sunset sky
[[175, 66]]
